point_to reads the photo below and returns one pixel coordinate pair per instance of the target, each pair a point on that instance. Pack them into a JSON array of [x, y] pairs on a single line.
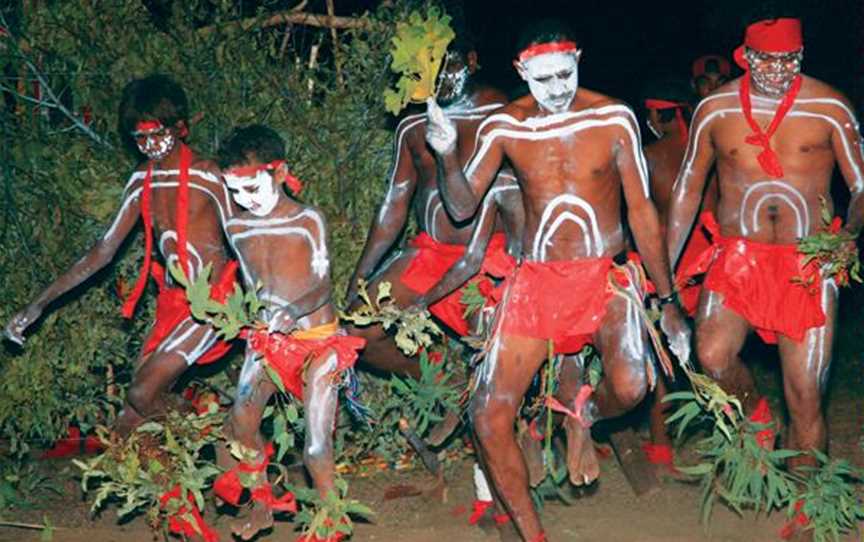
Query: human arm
[[847, 146], [96, 258], [461, 191], [689, 186], [644, 222], [392, 214]]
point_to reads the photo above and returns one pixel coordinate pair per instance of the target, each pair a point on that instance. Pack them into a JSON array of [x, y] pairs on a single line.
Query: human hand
[[440, 131], [674, 326], [22, 320]]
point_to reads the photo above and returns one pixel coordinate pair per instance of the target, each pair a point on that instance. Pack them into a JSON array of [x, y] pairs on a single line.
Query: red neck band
[[768, 159]]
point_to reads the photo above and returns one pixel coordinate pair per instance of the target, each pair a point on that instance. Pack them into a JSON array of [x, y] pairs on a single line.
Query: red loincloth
[[757, 280], [288, 354], [688, 290], [172, 308], [564, 301], [434, 259]]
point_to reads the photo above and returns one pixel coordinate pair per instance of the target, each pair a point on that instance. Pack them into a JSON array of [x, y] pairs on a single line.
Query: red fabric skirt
[[689, 289], [758, 281], [434, 259], [172, 308], [287, 355], [564, 301]]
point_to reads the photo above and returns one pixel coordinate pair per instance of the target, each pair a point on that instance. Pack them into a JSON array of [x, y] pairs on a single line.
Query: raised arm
[[96, 258], [393, 212], [847, 145], [689, 185], [461, 191], [645, 225]]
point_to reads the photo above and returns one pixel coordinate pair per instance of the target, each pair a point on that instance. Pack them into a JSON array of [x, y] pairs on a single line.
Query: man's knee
[[629, 385], [491, 423], [714, 355], [141, 397]]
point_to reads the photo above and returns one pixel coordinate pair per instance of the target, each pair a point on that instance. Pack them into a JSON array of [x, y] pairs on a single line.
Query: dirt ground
[[609, 511]]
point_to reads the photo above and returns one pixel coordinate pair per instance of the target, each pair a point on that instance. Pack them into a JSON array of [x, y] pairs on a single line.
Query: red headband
[[653, 103], [293, 182], [549, 47], [772, 36], [699, 65], [148, 125]]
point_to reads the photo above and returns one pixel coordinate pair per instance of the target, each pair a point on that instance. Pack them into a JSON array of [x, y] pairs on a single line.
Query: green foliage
[[21, 485], [239, 311], [60, 185], [419, 47], [832, 249], [829, 498], [414, 329], [154, 459], [323, 518], [428, 399]]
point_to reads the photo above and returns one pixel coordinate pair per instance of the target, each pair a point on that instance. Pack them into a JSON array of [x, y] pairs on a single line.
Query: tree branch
[[292, 17]]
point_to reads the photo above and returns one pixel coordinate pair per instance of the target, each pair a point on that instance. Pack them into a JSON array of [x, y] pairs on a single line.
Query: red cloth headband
[[148, 125], [549, 47], [772, 36], [699, 65], [293, 182], [653, 103]]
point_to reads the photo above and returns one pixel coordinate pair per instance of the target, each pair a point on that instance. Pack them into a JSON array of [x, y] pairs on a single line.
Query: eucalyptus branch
[[43, 83]]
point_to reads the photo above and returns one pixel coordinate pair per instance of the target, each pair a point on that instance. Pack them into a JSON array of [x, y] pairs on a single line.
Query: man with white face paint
[[775, 136], [281, 245], [181, 201], [573, 151], [416, 270]]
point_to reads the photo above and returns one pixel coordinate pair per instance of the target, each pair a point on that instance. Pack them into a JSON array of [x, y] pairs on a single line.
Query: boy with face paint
[[573, 151], [182, 202], [281, 245], [775, 136]]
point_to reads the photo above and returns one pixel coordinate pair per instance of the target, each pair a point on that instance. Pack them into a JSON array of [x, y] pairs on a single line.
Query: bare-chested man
[[281, 245], [414, 270], [775, 136], [573, 150], [181, 200]]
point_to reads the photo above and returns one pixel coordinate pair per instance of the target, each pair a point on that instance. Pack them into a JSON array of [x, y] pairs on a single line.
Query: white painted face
[[553, 79], [256, 194]]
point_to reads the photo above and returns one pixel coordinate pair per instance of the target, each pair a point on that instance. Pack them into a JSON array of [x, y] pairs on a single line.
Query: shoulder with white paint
[[136, 178], [206, 170], [818, 96]]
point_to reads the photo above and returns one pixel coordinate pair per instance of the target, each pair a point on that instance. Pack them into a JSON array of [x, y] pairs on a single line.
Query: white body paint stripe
[[489, 203], [543, 235], [562, 131], [691, 155], [802, 215]]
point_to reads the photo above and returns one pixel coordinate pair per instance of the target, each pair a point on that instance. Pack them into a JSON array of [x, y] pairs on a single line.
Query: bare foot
[[582, 462], [532, 453], [260, 518]]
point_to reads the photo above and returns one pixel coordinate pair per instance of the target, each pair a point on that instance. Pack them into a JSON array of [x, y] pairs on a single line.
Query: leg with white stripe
[[157, 373], [320, 400], [806, 366]]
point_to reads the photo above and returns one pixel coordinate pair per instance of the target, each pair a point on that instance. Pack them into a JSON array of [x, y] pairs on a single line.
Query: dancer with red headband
[[182, 202], [573, 151], [281, 245], [775, 136], [417, 268]]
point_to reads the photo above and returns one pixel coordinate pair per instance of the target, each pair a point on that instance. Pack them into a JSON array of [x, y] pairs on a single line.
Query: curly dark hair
[[156, 97], [253, 141]]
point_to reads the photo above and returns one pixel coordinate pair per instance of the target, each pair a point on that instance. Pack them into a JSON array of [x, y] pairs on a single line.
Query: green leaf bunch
[[418, 49]]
